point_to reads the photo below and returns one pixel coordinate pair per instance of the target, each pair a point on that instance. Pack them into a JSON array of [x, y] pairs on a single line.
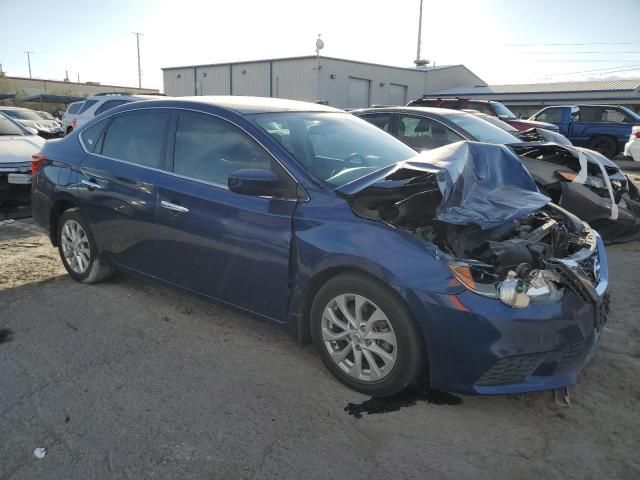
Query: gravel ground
[[129, 379]]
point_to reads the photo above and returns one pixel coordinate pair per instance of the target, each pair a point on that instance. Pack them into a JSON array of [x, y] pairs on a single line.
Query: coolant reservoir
[[513, 291]]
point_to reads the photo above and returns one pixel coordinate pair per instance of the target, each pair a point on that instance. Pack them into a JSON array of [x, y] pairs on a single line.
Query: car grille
[[574, 351], [510, 370]]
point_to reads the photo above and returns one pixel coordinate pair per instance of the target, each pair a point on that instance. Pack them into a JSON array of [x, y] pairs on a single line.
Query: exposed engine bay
[[520, 259]]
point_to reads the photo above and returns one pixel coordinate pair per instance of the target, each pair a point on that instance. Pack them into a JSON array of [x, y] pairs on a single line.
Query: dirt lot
[[132, 380]]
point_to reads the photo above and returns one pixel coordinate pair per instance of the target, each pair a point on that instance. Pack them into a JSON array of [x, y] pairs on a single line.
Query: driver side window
[[209, 149]]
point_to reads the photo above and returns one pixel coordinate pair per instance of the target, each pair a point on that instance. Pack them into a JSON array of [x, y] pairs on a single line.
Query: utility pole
[[137, 34], [418, 61], [29, 61]]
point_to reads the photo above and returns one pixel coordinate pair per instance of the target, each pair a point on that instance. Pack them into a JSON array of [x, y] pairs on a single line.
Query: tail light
[[37, 160]]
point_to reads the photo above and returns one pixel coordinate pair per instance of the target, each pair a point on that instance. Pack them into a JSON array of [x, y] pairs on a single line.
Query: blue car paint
[[270, 253]]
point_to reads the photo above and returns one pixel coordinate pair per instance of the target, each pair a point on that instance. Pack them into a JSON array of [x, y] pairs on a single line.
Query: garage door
[[358, 93], [397, 94]]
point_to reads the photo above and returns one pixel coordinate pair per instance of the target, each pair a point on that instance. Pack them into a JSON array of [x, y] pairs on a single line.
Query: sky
[[502, 41]]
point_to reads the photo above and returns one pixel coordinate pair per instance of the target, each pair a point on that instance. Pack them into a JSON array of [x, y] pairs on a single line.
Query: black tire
[[96, 270], [607, 146], [411, 358]]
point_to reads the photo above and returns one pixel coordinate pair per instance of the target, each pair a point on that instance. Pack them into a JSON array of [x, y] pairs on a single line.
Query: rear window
[[108, 105], [7, 127]]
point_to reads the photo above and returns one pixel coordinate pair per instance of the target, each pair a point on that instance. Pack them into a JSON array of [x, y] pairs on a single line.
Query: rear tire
[[376, 348], [607, 146], [78, 250]]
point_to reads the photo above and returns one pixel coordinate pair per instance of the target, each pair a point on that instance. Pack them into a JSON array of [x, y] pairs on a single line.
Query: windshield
[[631, 113], [502, 111], [497, 122], [7, 127], [480, 130], [336, 147], [23, 115]]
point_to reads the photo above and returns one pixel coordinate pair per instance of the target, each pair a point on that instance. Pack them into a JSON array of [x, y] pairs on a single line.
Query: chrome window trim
[[218, 185]]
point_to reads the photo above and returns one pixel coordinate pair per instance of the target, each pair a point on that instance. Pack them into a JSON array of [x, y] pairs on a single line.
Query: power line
[[568, 44], [602, 71], [573, 53]]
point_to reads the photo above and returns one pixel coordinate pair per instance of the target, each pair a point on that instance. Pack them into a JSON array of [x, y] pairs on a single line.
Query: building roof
[[556, 87], [312, 57]]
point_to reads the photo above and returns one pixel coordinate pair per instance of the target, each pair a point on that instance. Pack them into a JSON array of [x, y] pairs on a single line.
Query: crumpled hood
[[14, 149], [480, 183]]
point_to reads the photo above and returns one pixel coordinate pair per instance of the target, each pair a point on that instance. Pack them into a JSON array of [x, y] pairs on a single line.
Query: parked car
[[101, 102], [531, 135], [69, 117], [315, 220], [580, 180], [48, 116], [489, 107], [604, 128], [30, 119], [632, 147], [17, 145]]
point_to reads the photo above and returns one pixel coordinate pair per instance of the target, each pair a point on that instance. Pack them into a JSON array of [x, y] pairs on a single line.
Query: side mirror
[[254, 181]]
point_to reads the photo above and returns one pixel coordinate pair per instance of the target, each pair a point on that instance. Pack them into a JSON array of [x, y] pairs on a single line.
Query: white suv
[[70, 115], [101, 102]]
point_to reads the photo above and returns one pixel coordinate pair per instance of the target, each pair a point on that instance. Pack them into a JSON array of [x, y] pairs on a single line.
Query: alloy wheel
[[359, 337], [75, 246]]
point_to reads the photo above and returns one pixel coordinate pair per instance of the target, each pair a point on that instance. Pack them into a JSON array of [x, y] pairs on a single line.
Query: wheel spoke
[[339, 355], [331, 316], [386, 336], [380, 352], [373, 367], [329, 336], [359, 303], [341, 301], [357, 364]]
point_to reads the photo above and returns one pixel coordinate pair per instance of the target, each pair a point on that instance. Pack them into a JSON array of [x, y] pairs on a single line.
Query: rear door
[[118, 184], [231, 247]]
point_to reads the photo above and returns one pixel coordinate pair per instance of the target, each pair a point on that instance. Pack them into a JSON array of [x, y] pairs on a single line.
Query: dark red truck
[[490, 107]]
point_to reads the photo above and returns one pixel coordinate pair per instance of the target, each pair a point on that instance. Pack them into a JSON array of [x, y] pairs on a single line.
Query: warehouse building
[[341, 83], [526, 99]]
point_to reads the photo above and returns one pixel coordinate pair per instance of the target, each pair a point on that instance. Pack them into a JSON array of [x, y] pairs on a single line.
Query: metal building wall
[[179, 82], [251, 79], [294, 79], [213, 80]]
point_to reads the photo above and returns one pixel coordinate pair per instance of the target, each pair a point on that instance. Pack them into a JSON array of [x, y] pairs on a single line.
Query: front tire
[[366, 336], [78, 249], [607, 146]]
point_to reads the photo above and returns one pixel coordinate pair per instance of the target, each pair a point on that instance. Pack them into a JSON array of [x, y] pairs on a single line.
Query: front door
[[230, 247]]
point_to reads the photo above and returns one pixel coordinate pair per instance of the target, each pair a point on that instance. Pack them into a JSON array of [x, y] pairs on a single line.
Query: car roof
[[431, 110], [242, 105]]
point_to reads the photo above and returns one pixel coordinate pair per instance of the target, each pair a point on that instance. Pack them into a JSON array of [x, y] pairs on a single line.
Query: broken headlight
[[515, 290], [590, 181]]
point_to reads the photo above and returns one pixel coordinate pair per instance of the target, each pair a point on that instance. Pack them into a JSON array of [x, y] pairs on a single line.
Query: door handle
[[173, 207], [91, 184]]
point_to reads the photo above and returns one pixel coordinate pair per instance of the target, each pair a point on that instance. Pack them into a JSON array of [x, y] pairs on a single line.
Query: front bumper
[[632, 150], [478, 345]]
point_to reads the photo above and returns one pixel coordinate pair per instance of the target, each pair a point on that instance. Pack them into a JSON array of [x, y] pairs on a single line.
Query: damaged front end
[[499, 235], [587, 184]]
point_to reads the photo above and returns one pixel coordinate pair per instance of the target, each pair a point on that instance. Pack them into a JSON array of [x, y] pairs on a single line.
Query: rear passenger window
[[481, 107], [210, 149], [136, 137], [91, 136], [74, 107], [424, 134]]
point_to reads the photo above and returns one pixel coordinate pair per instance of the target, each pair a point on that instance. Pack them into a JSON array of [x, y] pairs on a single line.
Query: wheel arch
[[58, 207]]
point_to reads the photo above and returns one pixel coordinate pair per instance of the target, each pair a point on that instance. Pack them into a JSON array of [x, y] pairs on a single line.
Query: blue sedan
[[317, 221]]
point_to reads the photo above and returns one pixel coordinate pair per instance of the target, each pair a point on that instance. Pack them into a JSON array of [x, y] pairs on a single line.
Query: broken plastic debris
[[6, 222], [40, 452]]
